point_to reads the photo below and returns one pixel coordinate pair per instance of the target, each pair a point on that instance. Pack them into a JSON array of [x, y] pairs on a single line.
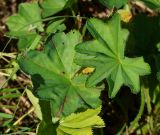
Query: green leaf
[[24, 25], [80, 123], [106, 54], [54, 77], [27, 20], [113, 3], [51, 7]]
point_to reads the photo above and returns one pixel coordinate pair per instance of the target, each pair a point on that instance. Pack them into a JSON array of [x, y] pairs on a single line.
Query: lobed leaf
[[26, 20], [53, 73], [24, 25], [107, 51], [80, 123]]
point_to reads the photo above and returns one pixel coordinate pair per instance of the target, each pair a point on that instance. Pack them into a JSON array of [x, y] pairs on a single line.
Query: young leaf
[[113, 3], [106, 54], [53, 75], [80, 123]]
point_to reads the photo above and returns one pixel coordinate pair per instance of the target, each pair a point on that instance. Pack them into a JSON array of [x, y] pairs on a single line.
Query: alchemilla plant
[[74, 69]]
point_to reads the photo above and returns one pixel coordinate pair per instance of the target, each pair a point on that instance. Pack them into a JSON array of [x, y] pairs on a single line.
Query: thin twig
[[21, 118]]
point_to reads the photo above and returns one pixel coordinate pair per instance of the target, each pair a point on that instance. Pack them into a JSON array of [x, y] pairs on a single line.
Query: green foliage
[[25, 24], [51, 7], [54, 75], [25, 20], [81, 123], [54, 55], [109, 60]]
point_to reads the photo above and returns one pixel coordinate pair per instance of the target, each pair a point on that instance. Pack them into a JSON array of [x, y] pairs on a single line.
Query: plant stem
[[141, 109], [101, 131], [84, 30], [120, 132], [148, 100], [149, 107]]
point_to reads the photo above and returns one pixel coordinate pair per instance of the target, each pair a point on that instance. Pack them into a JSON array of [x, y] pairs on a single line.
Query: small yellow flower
[[125, 14], [87, 70]]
